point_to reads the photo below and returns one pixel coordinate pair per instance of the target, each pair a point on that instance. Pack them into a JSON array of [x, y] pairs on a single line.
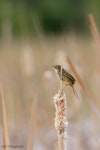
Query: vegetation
[[28, 83], [54, 15]]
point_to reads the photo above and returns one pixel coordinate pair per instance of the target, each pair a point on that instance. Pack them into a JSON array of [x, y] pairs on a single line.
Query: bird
[[65, 77]]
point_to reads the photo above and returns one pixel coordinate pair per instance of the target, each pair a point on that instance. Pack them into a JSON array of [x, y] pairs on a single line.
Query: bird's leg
[[65, 86]]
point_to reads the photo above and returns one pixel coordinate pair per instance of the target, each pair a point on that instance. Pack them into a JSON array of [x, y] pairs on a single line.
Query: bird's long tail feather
[[75, 92]]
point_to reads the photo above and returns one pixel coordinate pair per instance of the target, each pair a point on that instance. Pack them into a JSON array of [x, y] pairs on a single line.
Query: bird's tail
[[75, 92]]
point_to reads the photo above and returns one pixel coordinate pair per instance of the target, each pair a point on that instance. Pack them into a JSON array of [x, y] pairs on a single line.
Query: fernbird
[[65, 77]]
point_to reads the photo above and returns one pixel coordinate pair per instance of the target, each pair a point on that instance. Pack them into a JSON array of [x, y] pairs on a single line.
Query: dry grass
[[25, 67], [89, 99], [5, 123]]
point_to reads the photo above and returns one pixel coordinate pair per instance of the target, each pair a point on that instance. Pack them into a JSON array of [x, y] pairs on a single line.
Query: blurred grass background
[[34, 35], [54, 16]]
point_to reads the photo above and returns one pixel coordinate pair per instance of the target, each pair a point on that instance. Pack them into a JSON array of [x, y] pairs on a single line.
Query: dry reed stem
[[31, 133], [5, 125], [60, 119], [89, 99], [94, 30], [61, 83], [76, 74]]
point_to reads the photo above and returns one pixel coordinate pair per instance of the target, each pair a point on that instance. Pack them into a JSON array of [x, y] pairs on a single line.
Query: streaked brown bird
[[65, 77]]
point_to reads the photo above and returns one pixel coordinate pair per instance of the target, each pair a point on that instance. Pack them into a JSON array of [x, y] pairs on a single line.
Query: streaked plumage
[[63, 75]]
